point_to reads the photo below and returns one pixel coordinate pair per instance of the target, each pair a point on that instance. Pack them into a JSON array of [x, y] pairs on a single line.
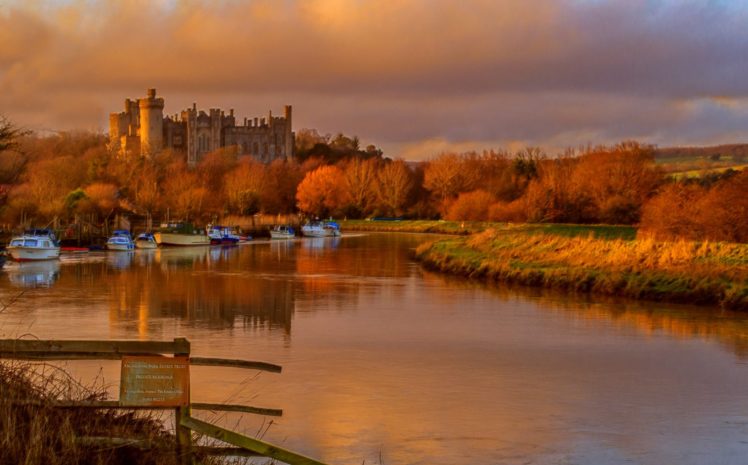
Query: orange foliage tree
[[393, 185], [243, 187], [359, 182], [320, 192]]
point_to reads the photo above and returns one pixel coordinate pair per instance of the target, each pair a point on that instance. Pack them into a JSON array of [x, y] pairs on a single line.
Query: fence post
[[184, 434]]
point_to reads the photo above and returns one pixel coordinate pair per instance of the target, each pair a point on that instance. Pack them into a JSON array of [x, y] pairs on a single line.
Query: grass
[[34, 431], [690, 272], [472, 227]]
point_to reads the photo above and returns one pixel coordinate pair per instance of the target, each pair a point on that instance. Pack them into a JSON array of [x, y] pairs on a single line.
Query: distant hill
[[733, 151], [699, 161]]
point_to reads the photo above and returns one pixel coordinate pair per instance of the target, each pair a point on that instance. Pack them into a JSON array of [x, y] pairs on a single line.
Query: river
[[384, 362]]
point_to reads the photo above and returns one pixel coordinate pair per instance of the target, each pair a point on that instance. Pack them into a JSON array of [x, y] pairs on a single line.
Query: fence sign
[[151, 381]]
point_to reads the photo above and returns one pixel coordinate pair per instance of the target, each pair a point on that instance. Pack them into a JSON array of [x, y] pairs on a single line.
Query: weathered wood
[[224, 451], [254, 445], [51, 347], [270, 412], [184, 435], [113, 404], [225, 362]]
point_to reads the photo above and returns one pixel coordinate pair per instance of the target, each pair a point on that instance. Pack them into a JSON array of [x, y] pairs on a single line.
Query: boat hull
[[314, 231], [281, 235], [31, 254], [146, 245], [176, 239], [120, 247]]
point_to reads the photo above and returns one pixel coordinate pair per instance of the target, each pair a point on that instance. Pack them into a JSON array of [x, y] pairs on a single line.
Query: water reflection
[[649, 319], [382, 357], [34, 274], [120, 260]]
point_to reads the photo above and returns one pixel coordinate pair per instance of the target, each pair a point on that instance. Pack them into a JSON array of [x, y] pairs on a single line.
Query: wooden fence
[[179, 349]]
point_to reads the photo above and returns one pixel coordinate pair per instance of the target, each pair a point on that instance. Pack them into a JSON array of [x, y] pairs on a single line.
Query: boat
[[34, 244], [282, 231], [146, 241], [181, 234], [120, 241], [321, 229], [223, 235]]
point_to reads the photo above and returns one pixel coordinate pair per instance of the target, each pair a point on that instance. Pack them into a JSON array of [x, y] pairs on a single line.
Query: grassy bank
[[472, 227], [688, 272]]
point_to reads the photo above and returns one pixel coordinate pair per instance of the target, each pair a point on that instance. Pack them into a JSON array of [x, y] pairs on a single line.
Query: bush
[[471, 206]]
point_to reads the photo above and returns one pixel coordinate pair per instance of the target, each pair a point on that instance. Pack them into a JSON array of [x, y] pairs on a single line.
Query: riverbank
[[471, 227], [683, 272]]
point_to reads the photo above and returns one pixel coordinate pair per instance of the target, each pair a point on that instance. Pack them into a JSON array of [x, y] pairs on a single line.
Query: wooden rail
[[180, 347]]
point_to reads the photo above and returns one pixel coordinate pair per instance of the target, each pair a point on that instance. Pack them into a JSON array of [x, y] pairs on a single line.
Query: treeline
[[72, 173]]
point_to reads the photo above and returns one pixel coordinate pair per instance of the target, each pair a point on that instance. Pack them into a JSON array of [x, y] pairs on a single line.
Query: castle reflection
[[258, 286]]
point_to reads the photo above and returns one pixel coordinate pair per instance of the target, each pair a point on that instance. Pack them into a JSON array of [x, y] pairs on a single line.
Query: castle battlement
[[143, 130]]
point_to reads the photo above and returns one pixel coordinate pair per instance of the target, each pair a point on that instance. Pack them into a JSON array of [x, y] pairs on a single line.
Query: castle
[[142, 129]]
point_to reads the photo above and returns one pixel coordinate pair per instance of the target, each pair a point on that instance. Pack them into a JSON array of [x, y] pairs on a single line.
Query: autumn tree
[[279, 189], [618, 181], [183, 194], [244, 187], [359, 182], [393, 185], [320, 192]]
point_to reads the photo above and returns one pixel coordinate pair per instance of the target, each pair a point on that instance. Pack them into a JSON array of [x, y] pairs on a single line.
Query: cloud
[[394, 72]]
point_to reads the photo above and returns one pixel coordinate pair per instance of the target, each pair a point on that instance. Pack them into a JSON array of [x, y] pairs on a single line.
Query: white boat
[[181, 234], [120, 241], [282, 231], [146, 241], [34, 244], [321, 229]]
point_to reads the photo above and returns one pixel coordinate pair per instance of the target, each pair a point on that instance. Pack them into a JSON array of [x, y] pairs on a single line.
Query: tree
[[244, 187], [9, 134], [12, 161], [279, 189], [359, 178], [443, 176], [320, 192], [393, 186]]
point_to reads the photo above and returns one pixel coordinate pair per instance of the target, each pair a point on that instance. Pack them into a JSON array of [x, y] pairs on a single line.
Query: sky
[[414, 77]]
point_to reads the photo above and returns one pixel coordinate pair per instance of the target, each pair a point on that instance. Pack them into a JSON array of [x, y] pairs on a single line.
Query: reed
[[708, 273]]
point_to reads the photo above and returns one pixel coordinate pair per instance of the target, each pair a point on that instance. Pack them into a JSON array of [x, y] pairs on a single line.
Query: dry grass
[[682, 271], [33, 431]]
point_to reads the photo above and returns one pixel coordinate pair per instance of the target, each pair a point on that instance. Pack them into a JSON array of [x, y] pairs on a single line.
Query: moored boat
[[120, 241], [223, 235], [146, 241], [181, 234], [282, 231], [321, 229], [34, 244]]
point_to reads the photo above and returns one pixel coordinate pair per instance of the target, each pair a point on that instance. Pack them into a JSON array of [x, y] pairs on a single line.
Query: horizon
[[425, 79]]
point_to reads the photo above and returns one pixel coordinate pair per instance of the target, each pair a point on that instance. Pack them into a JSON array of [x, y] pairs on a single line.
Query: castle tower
[[288, 139], [151, 123]]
